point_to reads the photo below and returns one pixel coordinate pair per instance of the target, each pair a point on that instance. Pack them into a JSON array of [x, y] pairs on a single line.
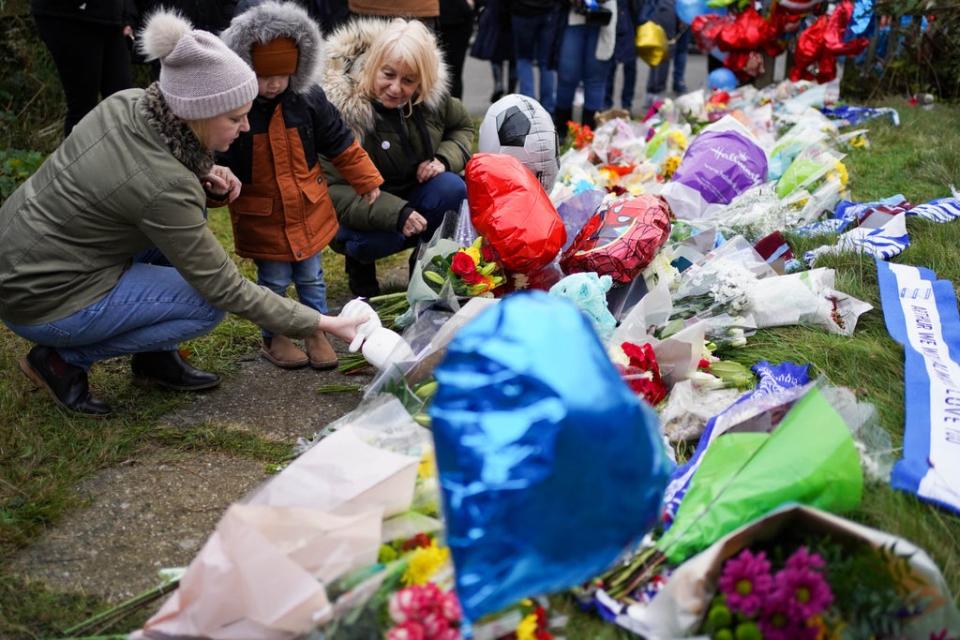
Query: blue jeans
[[151, 308], [432, 199], [629, 85], [532, 39], [306, 275], [578, 63]]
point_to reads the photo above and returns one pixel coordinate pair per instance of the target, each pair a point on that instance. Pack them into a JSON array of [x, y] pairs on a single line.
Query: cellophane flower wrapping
[[532, 424]]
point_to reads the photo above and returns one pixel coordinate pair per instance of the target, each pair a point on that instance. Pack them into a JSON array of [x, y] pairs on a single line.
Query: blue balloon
[[687, 10], [549, 465], [722, 79]]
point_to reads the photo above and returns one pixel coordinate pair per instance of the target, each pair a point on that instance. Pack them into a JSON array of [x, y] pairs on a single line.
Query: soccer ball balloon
[[519, 126]]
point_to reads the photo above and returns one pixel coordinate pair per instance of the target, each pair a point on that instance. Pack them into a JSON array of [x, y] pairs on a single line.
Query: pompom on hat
[[200, 77]]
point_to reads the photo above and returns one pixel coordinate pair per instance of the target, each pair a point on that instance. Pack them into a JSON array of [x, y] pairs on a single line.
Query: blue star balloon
[[549, 465]]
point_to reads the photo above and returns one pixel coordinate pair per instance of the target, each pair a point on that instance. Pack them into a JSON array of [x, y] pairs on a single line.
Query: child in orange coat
[[283, 217]]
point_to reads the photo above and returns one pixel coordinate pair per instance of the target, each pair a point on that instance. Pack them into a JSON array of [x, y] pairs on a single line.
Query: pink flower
[[803, 559], [804, 592], [400, 605], [433, 624], [746, 582], [450, 607], [408, 630], [449, 634], [776, 624]]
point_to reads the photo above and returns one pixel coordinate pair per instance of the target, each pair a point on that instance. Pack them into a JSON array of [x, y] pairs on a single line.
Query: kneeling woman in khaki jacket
[[129, 182]]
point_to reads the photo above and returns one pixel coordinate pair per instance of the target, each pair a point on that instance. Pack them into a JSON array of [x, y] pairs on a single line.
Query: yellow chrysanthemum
[[670, 166], [424, 563], [527, 629], [428, 466], [677, 140], [841, 170]]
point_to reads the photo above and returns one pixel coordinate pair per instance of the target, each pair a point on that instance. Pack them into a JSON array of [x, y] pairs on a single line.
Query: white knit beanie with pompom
[[200, 77]]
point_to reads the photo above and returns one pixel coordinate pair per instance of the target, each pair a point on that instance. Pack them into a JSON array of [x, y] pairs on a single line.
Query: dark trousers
[[432, 199], [455, 40], [92, 60]]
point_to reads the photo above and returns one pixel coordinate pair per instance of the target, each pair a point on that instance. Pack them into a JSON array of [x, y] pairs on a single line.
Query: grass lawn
[[44, 452]]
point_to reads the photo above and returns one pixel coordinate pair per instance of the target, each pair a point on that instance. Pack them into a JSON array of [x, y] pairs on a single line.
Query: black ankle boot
[[362, 278], [560, 119], [66, 383], [168, 369], [589, 118]]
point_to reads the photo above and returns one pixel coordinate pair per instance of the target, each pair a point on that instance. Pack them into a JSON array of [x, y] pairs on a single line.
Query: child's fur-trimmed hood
[[270, 20], [347, 50]]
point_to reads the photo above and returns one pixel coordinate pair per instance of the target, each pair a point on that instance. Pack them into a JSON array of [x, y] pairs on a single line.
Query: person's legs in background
[[548, 76], [629, 83], [456, 40], [116, 73], [608, 95], [281, 351], [681, 48], [657, 81], [595, 73], [90, 60], [524, 51], [496, 68], [569, 74], [78, 55]]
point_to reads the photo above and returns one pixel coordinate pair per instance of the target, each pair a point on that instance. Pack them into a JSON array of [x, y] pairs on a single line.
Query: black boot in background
[[168, 369], [362, 278], [560, 119], [589, 118]]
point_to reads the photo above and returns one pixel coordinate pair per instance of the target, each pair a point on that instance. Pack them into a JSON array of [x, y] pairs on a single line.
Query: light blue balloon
[[722, 79], [687, 10]]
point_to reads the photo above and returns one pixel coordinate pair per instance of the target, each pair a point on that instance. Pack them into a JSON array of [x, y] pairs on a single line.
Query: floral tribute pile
[[671, 314]]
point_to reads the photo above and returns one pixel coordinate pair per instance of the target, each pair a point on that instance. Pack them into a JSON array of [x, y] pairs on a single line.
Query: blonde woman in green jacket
[[388, 80], [131, 181]]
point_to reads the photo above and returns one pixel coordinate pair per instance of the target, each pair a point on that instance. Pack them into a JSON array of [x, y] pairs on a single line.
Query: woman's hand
[[371, 196], [415, 224], [221, 182], [343, 328], [428, 169]]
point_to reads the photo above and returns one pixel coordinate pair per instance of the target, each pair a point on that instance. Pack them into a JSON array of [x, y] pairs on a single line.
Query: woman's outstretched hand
[[343, 328], [222, 183]]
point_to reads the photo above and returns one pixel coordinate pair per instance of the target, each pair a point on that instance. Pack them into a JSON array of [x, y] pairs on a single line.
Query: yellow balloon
[[651, 43]]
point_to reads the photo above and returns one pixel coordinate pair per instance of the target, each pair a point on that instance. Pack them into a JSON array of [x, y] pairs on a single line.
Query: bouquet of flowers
[[424, 612], [817, 589], [471, 272], [579, 135], [639, 369]]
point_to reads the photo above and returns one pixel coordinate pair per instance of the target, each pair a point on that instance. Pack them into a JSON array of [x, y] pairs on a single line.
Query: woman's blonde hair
[[411, 43], [200, 128]]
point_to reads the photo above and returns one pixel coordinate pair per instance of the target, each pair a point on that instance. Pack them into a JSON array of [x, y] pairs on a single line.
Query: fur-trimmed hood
[[347, 50], [270, 20]]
